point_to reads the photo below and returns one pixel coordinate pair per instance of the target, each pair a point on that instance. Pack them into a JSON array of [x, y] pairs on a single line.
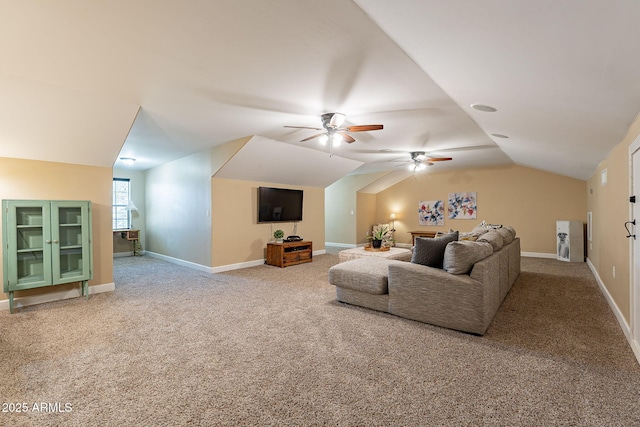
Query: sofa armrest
[[434, 296]]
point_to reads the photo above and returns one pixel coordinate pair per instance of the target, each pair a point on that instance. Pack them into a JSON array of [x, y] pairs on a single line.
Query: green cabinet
[[45, 243]]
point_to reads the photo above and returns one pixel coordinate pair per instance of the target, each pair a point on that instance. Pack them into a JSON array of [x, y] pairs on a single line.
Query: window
[[121, 197]]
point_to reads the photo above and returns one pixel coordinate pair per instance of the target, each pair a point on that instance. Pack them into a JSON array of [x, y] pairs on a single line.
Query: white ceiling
[[86, 82], [273, 161]]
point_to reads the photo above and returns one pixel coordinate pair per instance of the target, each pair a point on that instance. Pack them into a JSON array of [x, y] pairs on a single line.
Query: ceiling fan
[[334, 131], [420, 160]]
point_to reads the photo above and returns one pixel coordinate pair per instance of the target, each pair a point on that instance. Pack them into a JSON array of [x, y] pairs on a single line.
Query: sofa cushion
[[468, 236], [492, 237], [507, 236], [368, 275], [430, 251], [460, 256], [481, 228]]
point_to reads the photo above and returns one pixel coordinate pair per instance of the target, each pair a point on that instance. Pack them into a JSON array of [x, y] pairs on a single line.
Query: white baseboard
[[56, 296], [206, 268], [340, 245], [220, 268], [626, 329], [538, 255], [238, 266], [179, 261]]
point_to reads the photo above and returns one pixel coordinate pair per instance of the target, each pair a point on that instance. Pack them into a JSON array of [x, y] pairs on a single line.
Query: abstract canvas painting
[[462, 205], [431, 212]]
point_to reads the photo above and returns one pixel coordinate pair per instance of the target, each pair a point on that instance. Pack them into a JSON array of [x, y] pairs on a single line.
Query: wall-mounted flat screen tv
[[279, 205]]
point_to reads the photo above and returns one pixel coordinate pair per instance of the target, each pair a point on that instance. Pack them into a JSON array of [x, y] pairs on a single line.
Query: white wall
[[178, 209]]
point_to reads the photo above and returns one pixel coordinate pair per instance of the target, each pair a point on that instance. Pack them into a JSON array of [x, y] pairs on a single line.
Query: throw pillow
[[493, 238], [460, 256], [430, 251]]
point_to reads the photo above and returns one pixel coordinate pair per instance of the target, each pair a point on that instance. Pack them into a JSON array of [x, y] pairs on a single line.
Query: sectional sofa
[[462, 289]]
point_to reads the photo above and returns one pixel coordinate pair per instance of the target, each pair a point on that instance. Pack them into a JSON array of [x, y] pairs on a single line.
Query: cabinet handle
[[48, 242], [55, 241]]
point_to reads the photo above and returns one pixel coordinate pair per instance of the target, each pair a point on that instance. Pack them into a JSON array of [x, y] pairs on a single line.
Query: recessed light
[[485, 108], [499, 135]]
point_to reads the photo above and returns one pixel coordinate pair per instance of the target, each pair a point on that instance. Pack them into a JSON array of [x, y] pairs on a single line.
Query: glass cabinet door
[[28, 244], [70, 236]]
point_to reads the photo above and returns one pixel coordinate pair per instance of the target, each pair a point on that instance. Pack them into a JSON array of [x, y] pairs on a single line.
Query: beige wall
[[609, 205], [236, 235], [37, 180], [137, 186], [178, 209], [528, 199]]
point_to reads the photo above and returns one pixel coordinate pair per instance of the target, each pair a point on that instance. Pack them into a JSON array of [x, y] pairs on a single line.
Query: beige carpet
[[271, 346]]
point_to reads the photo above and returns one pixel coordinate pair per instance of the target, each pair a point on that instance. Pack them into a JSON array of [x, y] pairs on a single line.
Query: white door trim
[[634, 274]]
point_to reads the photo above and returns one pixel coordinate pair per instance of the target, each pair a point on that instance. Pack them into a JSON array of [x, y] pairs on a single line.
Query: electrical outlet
[[614, 271]]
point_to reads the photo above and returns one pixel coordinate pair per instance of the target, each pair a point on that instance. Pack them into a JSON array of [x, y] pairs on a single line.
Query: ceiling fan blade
[[346, 137], [314, 136], [363, 128], [438, 159], [303, 127]]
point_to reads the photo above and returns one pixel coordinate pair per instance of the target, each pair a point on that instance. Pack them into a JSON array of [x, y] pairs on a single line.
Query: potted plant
[[378, 236], [278, 235]]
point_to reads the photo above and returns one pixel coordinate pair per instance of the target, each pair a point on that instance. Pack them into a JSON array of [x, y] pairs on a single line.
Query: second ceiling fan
[[421, 160], [334, 131]]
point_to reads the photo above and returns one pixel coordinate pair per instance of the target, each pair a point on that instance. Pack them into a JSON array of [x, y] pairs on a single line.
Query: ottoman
[[363, 282], [393, 253]]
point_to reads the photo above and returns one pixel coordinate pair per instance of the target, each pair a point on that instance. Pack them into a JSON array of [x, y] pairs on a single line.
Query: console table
[[285, 254], [415, 234], [133, 236]]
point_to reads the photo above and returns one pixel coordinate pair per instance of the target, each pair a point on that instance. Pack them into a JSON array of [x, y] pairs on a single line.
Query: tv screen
[[279, 205]]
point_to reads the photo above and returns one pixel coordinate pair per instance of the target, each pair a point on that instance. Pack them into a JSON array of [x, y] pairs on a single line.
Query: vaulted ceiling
[[87, 82]]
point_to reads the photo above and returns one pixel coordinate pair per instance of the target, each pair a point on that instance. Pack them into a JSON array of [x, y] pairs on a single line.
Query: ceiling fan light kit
[[334, 132], [417, 166], [334, 120], [421, 160], [418, 156]]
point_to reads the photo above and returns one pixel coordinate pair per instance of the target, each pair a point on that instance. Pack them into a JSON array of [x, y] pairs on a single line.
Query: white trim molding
[[19, 302], [220, 268], [179, 261], [538, 255], [635, 346], [340, 245]]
